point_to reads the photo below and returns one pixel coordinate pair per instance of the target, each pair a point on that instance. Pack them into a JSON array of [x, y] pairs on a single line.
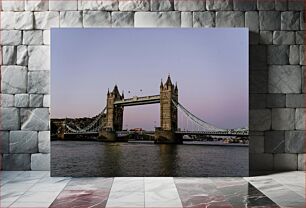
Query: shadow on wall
[[276, 119]]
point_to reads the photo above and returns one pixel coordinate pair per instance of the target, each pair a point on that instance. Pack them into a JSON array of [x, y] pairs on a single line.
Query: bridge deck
[[139, 100], [191, 133], [210, 133]]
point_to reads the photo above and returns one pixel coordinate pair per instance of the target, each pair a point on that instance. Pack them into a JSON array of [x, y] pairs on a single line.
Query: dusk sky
[[210, 67]]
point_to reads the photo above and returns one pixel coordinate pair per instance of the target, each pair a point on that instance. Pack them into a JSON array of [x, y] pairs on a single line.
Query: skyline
[[214, 87]]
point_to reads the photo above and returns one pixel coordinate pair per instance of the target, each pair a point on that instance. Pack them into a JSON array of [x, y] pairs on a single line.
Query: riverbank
[[216, 143], [152, 142], [195, 143]]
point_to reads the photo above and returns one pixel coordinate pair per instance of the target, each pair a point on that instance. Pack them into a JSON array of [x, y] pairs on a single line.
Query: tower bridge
[[108, 124], [168, 113]]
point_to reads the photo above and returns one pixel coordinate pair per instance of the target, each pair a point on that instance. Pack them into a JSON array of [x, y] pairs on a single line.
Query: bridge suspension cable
[[92, 127], [196, 122]]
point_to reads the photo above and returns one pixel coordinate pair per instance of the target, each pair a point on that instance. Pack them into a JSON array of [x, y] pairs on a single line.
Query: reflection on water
[[168, 154], [90, 158]]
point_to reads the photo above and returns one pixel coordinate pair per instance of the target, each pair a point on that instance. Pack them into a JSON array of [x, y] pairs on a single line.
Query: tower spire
[[168, 82], [115, 88]]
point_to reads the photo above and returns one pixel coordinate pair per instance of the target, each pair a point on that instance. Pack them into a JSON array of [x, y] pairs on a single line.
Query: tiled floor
[[37, 189]]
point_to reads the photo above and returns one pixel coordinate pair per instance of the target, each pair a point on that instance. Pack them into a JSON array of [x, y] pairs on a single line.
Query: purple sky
[[209, 65]]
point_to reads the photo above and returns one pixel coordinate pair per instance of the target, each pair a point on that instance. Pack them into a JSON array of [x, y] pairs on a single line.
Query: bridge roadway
[[139, 100], [210, 133]]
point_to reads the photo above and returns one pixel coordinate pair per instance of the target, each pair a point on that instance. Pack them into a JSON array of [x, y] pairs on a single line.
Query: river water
[[91, 158]]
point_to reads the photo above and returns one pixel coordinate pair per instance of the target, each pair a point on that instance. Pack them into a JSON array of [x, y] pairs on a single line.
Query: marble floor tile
[[37, 190], [163, 198], [229, 183], [286, 198], [38, 196], [129, 178], [30, 205], [234, 190], [200, 192], [28, 177], [255, 198], [245, 195], [12, 187], [190, 180], [54, 180], [128, 185], [15, 187], [89, 184], [23, 181], [155, 184], [158, 178], [277, 192], [51, 184], [202, 188], [8, 199], [6, 176], [221, 192], [125, 200], [84, 192], [81, 199], [295, 181], [32, 175], [35, 199], [161, 192]]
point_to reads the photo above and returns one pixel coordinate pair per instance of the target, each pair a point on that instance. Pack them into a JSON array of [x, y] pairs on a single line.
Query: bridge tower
[[61, 133], [114, 116], [168, 113], [58, 128]]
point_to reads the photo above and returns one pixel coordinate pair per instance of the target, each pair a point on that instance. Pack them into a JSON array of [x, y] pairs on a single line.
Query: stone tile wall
[[276, 68]]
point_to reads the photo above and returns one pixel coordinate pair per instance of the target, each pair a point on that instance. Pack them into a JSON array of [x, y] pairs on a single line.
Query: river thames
[[91, 158]]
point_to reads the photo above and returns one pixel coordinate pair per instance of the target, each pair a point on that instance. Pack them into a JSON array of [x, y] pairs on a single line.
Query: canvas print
[[149, 102]]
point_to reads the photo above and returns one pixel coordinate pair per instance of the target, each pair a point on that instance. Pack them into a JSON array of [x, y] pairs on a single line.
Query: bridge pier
[[110, 136], [61, 135], [58, 129], [167, 137], [107, 136]]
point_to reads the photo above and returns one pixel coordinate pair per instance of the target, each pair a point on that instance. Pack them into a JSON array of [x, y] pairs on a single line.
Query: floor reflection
[[221, 192], [84, 192]]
